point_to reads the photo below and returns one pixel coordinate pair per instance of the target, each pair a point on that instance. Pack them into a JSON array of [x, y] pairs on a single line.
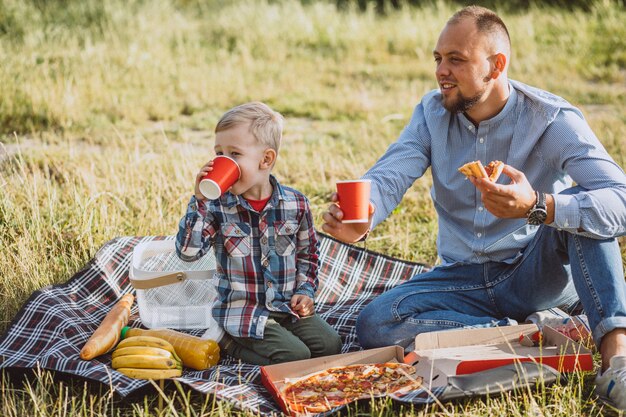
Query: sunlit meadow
[[107, 110]]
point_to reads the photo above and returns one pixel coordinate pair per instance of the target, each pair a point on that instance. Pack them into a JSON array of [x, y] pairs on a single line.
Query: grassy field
[[107, 110]]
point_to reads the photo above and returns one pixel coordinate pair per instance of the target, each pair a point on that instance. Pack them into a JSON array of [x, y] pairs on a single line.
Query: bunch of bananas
[[146, 357]]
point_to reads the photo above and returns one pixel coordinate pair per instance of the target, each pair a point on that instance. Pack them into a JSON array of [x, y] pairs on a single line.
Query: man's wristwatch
[[538, 213]]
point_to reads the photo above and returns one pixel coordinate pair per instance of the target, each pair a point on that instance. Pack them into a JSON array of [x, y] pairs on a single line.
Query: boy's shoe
[[611, 384]]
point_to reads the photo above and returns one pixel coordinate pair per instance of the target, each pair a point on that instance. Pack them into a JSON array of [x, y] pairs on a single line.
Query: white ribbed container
[[184, 304]]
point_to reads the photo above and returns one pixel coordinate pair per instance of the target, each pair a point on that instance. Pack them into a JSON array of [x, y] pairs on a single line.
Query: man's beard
[[462, 104]]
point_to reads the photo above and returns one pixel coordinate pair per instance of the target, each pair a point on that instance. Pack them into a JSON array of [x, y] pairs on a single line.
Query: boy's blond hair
[[265, 124]]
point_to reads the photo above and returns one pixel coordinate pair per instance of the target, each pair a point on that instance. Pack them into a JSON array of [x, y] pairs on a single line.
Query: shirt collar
[[508, 107], [278, 194]]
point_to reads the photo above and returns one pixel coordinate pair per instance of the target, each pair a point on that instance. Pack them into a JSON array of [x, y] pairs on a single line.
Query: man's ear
[[499, 64], [269, 157]]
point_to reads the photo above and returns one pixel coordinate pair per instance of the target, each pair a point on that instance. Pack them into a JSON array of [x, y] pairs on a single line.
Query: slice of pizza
[[476, 169], [324, 390], [494, 169]]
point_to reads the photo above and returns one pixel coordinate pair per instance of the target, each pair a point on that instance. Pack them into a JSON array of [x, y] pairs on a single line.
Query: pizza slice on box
[[330, 388]]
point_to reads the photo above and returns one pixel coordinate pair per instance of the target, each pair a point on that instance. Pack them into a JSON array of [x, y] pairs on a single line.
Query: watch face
[[537, 217]]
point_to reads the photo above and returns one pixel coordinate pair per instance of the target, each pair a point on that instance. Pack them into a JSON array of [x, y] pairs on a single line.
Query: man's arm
[[404, 161], [599, 210], [569, 146]]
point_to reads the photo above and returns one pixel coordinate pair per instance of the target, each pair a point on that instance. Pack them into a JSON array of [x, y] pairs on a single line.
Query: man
[[526, 243]]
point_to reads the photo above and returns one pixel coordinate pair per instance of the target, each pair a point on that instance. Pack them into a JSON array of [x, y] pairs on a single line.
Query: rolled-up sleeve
[[598, 210]]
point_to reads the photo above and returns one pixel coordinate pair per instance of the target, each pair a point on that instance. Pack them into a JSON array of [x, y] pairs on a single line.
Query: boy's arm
[[195, 231], [307, 254]]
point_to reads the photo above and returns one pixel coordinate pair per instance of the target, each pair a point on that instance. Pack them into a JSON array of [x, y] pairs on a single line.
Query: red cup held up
[[354, 200], [225, 173]]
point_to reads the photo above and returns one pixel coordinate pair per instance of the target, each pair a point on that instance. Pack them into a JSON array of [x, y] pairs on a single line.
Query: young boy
[[266, 248]]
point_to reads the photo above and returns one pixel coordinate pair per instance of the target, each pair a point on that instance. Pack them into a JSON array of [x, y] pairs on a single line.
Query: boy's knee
[[331, 345], [294, 353]]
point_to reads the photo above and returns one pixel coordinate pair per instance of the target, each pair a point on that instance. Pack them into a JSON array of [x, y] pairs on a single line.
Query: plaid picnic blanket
[[56, 321]]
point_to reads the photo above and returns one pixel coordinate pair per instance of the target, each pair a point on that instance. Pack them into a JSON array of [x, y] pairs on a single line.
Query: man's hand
[[303, 305], [208, 167], [507, 201], [346, 232]]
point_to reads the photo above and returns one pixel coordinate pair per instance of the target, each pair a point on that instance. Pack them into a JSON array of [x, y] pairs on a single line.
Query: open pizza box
[[466, 351], [442, 356]]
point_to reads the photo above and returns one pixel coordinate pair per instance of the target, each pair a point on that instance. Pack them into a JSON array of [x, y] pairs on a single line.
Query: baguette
[[476, 169], [108, 332]]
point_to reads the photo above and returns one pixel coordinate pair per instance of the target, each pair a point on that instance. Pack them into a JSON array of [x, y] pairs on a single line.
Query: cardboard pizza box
[[440, 355], [273, 376], [465, 351]]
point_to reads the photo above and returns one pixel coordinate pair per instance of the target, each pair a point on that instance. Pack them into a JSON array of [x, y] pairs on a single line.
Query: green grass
[[107, 111]]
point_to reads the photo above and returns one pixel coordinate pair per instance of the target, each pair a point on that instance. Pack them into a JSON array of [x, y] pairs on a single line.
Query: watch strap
[[541, 200]]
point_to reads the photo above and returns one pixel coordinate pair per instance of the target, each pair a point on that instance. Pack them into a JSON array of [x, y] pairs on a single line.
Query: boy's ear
[[269, 157]]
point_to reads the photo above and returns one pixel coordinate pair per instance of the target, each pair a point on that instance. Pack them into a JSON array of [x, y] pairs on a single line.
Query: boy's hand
[[208, 167], [303, 305]]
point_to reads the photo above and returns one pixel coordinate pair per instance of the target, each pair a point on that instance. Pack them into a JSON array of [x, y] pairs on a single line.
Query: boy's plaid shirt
[[263, 259]]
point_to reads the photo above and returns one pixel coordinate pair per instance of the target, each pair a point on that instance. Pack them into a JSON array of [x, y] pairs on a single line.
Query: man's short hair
[[264, 123], [487, 21]]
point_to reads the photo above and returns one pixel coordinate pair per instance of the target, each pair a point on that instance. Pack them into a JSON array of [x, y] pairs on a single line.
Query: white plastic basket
[[172, 293]]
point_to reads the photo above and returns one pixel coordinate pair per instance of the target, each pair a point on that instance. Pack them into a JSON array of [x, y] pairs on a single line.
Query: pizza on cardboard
[[321, 384]]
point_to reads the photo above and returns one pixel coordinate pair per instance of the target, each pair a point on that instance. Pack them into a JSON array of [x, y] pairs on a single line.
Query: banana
[[142, 350], [150, 373], [147, 341], [145, 362]]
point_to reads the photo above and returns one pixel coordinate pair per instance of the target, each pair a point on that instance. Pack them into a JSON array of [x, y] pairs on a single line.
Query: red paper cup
[[225, 173], [354, 200]]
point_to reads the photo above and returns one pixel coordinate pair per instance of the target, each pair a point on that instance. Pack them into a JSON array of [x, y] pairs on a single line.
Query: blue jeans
[[557, 269]]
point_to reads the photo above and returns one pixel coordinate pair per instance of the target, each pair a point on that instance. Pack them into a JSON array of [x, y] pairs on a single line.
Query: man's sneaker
[[574, 327], [611, 384]]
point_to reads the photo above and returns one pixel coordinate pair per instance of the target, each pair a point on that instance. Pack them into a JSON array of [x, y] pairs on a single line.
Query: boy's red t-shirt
[[258, 205]]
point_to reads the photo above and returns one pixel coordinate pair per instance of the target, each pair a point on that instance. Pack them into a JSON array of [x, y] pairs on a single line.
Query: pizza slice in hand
[[476, 169]]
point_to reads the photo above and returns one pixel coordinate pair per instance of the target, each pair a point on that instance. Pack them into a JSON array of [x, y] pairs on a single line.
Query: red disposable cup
[[354, 200], [225, 173]]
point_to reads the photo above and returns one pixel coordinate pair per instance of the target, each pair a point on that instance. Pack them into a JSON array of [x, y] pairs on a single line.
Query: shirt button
[[264, 240], [470, 127], [479, 234], [480, 208], [266, 263], [481, 140]]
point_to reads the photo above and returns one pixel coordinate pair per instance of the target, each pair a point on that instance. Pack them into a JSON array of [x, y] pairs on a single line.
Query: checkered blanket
[[56, 321]]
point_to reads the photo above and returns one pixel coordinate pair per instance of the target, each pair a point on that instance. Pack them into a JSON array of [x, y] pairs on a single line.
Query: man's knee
[[368, 327]]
